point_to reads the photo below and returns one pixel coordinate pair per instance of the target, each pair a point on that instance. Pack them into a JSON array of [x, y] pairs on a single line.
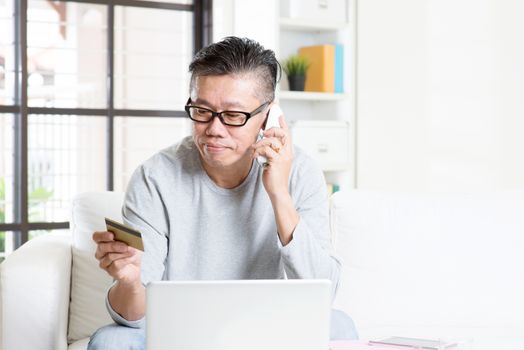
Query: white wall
[[440, 94], [246, 18]]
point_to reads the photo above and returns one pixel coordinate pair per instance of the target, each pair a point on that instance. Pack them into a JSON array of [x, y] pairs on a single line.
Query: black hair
[[234, 55]]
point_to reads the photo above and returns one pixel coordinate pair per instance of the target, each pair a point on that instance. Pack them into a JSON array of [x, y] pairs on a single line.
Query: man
[[208, 210]]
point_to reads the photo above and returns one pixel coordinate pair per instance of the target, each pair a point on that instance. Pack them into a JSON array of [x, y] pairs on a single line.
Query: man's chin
[[222, 161], [217, 161]]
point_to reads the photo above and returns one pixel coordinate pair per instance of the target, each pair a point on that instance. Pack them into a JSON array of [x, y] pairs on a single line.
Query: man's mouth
[[214, 147]]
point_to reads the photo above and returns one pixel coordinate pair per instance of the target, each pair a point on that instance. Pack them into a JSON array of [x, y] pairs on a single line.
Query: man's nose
[[216, 128]]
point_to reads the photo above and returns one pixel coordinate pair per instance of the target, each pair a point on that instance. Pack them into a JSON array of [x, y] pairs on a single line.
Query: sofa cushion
[[89, 283], [79, 344], [430, 262]]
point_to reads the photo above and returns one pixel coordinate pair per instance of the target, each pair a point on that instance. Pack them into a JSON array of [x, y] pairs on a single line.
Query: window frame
[[202, 34]]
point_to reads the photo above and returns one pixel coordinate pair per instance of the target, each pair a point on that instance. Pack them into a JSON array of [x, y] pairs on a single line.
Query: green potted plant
[[295, 67]]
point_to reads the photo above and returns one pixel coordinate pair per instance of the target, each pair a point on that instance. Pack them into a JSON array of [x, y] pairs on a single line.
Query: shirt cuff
[[119, 319]]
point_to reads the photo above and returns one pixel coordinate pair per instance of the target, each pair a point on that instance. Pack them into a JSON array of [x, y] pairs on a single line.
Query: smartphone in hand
[[272, 121]]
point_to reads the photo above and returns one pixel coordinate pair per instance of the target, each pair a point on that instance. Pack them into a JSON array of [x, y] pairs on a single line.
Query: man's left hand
[[277, 147]]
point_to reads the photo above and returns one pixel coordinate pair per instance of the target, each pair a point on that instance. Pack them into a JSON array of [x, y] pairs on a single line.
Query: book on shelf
[[339, 68], [326, 70], [320, 75]]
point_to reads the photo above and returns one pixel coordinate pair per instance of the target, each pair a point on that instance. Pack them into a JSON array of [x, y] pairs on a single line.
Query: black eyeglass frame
[[214, 114]]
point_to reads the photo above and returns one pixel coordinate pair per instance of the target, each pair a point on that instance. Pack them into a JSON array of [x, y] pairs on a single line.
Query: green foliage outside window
[[37, 198]]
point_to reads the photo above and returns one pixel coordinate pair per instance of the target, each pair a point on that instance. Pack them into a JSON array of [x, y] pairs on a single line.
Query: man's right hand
[[119, 260]]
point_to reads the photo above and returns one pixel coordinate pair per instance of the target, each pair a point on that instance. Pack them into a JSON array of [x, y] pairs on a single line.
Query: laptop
[[238, 315]]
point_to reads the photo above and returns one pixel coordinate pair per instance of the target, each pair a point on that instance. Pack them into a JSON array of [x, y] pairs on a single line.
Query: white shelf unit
[[304, 25], [311, 96], [294, 33]]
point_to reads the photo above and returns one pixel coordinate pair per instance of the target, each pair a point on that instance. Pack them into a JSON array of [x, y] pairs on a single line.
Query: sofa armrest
[[34, 294]]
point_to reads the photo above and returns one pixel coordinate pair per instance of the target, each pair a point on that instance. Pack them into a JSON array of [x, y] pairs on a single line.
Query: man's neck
[[228, 177]]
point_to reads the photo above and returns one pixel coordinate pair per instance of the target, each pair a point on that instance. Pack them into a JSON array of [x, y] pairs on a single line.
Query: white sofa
[[420, 265]]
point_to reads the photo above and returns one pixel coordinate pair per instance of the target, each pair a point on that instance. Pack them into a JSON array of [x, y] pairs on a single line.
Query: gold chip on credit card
[[125, 234]]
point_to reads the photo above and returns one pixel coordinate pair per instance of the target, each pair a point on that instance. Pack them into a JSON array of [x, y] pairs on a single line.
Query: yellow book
[[320, 75]]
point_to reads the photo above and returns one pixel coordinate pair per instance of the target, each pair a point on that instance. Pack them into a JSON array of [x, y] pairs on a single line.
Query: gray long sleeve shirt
[[195, 230]]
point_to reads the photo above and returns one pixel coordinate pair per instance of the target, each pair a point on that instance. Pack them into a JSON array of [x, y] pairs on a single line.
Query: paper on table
[[359, 345]]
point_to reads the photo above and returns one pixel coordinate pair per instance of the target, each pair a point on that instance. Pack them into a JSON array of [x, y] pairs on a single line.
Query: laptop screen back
[[238, 315]]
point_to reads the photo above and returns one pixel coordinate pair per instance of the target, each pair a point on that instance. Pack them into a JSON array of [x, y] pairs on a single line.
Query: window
[[88, 90]]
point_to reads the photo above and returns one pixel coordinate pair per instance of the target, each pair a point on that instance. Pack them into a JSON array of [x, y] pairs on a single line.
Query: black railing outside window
[[88, 90]]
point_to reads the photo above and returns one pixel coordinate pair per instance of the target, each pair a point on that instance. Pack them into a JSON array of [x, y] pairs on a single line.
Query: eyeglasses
[[230, 118]]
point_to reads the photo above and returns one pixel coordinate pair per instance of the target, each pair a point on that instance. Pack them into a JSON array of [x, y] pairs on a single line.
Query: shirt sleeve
[[119, 319], [144, 210], [309, 255]]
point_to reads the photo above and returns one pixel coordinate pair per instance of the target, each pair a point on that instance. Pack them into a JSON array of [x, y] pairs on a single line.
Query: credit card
[[125, 234]]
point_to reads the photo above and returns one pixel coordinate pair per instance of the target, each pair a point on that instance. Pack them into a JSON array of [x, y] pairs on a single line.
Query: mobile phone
[[271, 121]]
